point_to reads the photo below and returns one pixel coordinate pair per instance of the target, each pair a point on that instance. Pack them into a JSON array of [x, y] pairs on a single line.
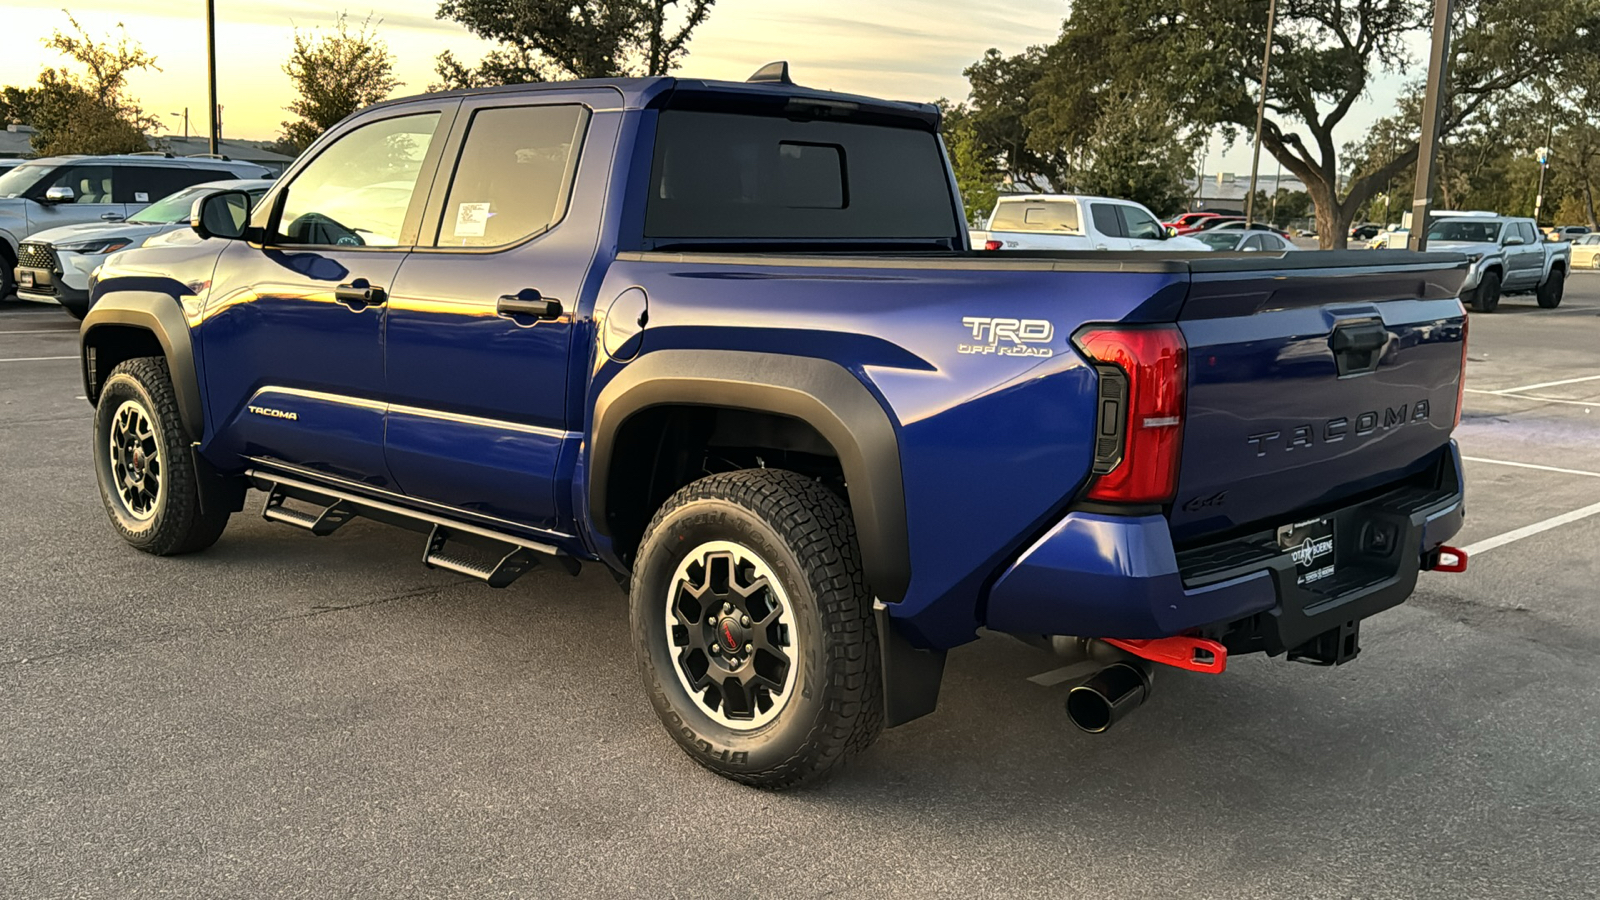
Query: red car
[[1190, 222]]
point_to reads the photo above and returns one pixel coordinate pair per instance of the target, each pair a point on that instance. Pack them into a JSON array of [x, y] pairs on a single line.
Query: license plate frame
[[1310, 545]]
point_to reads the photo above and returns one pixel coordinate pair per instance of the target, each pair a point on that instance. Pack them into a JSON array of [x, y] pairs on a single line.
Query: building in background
[[16, 143]]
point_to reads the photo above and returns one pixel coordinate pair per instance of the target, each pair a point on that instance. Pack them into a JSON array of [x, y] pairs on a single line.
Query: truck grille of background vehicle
[[36, 256]]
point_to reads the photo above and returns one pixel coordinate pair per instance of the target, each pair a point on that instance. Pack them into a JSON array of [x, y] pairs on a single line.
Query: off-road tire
[[8, 278], [804, 534], [179, 522], [1487, 296], [1549, 293]]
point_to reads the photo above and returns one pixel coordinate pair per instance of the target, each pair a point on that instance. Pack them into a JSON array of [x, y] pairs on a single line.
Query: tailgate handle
[[1357, 346]]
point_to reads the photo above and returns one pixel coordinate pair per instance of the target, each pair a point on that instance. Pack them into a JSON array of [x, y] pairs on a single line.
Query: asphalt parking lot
[[289, 716]]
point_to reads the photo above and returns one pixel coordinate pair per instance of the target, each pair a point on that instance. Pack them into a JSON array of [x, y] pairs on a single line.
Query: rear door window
[[513, 176], [1106, 220], [719, 176]]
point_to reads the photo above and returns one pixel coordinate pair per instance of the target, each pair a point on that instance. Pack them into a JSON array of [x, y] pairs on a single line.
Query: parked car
[[1072, 222], [70, 190], [1253, 226], [822, 442], [55, 264], [1586, 252], [1365, 232], [1507, 257], [1565, 232], [1238, 239], [1189, 222]]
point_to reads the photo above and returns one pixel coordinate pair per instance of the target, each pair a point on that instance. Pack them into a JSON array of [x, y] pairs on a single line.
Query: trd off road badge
[[1008, 337]]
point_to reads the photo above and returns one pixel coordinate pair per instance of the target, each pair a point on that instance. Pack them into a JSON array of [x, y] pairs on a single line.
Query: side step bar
[[491, 557]]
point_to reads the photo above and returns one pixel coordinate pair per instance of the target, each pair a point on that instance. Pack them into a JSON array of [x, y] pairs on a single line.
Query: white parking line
[[1517, 534], [36, 358], [1536, 397], [1545, 384], [44, 331], [1523, 465]]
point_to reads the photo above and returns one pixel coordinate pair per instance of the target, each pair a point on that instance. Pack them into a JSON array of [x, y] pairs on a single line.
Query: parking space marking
[[36, 358], [1544, 384], [1063, 674], [1535, 397], [1517, 534], [1523, 465], [43, 331]]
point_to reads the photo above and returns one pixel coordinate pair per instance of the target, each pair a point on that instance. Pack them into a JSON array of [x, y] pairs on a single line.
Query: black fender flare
[[818, 392], [161, 316]]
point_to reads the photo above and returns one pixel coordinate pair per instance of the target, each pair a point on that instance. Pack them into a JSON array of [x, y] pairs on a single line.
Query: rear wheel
[[1549, 293], [753, 628], [1487, 297], [149, 483]]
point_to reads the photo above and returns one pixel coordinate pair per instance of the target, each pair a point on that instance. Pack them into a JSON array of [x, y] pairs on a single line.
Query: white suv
[[68, 190]]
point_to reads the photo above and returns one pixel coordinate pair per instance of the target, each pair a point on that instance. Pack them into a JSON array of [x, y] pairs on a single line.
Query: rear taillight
[[1139, 426], [991, 245], [1461, 379]]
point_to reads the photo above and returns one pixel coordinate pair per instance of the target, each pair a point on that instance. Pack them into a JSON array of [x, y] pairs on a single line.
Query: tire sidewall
[[1488, 299], [678, 534], [120, 388], [1550, 293]]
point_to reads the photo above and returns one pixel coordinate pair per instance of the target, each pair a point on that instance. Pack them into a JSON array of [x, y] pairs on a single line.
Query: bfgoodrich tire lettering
[[147, 476], [800, 535]]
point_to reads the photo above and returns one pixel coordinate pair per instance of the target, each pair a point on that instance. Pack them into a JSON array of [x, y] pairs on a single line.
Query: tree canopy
[[86, 108], [335, 74], [545, 40], [1196, 65]]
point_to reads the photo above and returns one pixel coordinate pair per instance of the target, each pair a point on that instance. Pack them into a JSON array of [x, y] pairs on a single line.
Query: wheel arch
[[819, 394], [125, 325]]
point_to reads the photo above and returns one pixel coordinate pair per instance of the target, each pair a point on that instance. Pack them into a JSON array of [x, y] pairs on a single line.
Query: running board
[[504, 558]]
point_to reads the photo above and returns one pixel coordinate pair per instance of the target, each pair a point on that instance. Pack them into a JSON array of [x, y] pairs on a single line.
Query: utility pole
[[1261, 112], [1277, 188], [1544, 163], [1428, 147], [211, 72]]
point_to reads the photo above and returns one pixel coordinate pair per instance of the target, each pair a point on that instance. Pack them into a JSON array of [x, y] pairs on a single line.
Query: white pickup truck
[[1507, 254], [1074, 222]]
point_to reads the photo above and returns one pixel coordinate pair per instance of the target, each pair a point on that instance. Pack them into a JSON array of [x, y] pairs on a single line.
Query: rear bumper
[[1096, 575]]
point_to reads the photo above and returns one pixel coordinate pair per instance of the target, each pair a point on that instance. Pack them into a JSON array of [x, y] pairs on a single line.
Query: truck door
[[1105, 227], [1140, 228], [292, 333], [1524, 263], [481, 321]]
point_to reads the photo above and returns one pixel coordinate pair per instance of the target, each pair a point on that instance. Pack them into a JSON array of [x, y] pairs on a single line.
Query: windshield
[[17, 181], [169, 210], [1220, 240], [1461, 230]]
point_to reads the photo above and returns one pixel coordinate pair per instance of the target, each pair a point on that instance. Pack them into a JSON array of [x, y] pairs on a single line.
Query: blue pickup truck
[[728, 340]]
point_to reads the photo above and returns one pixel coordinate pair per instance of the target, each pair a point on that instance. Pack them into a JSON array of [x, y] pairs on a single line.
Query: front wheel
[[148, 478], [753, 628], [1487, 297], [1549, 293]]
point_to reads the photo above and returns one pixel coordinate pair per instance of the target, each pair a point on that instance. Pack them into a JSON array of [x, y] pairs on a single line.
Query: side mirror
[[1514, 241], [225, 215], [60, 194]]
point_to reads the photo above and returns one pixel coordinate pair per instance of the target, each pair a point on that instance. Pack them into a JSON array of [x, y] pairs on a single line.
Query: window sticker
[[141, 197], [471, 218]]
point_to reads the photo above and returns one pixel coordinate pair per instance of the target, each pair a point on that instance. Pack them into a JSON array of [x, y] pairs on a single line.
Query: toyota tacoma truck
[[728, 341], [1506, 256]]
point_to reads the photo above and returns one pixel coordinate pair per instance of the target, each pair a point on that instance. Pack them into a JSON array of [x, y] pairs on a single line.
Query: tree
[[1202, 60], [335, 74], [89, 112], [977, 174], [18, 105], [543, 40]]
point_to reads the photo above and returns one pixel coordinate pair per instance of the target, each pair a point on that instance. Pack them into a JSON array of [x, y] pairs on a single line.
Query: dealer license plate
[[1310, 545], [24, 278]]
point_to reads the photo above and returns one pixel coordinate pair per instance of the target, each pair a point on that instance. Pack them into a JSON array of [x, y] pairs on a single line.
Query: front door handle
[[111, 217], [527, 303], [360, 294]]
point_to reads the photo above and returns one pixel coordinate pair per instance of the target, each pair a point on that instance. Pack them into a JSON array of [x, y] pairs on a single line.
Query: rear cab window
[[774, 180], [1041, 216]]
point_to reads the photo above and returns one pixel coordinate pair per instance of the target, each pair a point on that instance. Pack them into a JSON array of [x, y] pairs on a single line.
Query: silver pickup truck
[[1508, 257]]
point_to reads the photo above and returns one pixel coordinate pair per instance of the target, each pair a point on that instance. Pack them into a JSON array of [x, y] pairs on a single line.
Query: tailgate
[[1313, 377]]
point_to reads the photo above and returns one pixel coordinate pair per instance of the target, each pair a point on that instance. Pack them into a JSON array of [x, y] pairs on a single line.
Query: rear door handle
[[360, 294], [528, 304]]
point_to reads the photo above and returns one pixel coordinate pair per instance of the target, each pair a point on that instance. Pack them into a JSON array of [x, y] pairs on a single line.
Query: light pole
[[1544, 163], [1261, 112], [185, 116], [211, 73], [1428, 145]]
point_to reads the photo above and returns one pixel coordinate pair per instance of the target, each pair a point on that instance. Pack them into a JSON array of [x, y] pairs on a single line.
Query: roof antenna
[[771, 73]]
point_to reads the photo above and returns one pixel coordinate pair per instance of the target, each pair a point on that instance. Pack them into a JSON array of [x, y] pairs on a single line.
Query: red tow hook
[[1196, 654], [1448, 559]]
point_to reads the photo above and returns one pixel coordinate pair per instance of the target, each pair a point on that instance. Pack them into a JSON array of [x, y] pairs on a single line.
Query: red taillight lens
[[1461, 380], [991, 245], [1140, 421]]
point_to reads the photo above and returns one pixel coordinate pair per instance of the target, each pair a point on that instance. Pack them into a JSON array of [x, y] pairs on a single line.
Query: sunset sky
[[903, 49]]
